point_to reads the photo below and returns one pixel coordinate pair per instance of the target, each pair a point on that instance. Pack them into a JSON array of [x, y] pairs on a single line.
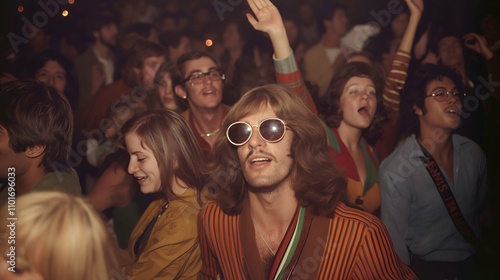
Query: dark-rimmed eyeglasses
[[198, 77], [442, 95], [271, 130]]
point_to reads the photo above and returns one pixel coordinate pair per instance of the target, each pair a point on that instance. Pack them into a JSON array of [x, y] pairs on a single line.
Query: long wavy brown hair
[[170, 138], [317, 181]]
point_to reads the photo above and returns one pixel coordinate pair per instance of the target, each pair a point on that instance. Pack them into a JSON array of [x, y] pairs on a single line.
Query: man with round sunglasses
[[280, 208], [433, 186]]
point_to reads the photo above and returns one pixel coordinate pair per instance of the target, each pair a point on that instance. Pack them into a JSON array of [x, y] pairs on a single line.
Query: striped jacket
[[350, 245]]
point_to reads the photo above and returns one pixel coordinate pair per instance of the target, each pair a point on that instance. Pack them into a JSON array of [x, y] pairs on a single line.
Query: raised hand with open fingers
[[268, 20], [268, 17]]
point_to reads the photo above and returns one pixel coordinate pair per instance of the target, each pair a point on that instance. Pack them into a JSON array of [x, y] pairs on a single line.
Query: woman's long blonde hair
[[61, 237]]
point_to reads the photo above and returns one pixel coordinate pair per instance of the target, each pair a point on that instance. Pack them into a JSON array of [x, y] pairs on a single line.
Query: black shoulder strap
[[449, 200]]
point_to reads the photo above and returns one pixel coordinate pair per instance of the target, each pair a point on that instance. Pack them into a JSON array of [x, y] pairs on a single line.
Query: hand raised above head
[[269, 21], [477, 43], [268, 17], [415, 6]]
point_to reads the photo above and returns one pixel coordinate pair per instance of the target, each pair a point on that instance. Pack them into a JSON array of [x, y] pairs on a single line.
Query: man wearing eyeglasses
[[428, 175], [199, 81]]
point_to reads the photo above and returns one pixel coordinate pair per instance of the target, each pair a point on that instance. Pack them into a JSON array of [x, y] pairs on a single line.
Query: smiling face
[[203, 96], [358, 103], [440, 115], [143, 164], [264, 164], [52, 74]]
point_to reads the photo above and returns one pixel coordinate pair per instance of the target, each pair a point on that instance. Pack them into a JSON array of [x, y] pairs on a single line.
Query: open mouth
[[208, 92], [259, 160], [141, 179], [363, 110], [452, 111]]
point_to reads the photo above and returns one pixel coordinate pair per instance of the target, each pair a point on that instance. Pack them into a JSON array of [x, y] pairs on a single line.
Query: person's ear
[[417, 110], [180, 91], [35, 151]]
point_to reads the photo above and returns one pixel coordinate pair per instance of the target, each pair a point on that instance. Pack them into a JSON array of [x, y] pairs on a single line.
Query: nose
[[364, 95], [256, 140], [206, 78], [454, 98], [132, 166], [51, 81]]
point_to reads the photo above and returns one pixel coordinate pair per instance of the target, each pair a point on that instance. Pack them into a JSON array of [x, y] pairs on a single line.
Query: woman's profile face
[[52, 74], [143, 164]]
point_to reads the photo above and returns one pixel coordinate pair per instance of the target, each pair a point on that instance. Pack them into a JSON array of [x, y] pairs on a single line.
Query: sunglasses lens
[[272, 130], [239, 133]]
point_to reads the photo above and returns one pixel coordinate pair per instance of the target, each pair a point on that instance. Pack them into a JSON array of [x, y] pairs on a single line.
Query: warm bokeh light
[[209, 43], [71, 1], [65, 13], [20, 9]]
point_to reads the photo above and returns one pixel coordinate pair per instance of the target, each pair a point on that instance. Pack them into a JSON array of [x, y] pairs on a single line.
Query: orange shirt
[[350, 245]]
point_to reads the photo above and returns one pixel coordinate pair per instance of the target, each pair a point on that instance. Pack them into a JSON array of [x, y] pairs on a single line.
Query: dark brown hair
[[37, 115], [333, 114], [138, 53]]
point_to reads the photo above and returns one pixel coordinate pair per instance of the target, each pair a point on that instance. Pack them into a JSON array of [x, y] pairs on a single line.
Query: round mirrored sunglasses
[[271, 130]]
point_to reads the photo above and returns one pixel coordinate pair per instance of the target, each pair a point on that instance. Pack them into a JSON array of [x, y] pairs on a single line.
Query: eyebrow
[[441, 87], [198, 70]]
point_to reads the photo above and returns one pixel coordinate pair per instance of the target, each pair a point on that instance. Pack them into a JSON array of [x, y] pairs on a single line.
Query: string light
[[209, 43], [65, 13], [20, 8], [71, 1]]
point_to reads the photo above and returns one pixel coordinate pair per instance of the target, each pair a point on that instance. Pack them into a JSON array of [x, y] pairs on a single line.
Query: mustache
[[290, 155], [260, 152]]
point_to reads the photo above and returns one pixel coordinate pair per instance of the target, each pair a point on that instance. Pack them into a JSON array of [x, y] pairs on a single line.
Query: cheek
[[61, 85], [42, 79]]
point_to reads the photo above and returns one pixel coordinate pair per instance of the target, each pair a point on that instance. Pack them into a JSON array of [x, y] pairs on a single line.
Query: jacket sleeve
[[376, 258], [288, 74], [396, 79]]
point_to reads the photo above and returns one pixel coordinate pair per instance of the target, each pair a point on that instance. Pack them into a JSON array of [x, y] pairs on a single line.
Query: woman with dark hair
[[163, 95], [165, 159], [354, 111], [54, 68]]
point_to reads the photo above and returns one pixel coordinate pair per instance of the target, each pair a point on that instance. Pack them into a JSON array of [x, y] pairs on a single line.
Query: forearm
[[409, 35], [280, 43]]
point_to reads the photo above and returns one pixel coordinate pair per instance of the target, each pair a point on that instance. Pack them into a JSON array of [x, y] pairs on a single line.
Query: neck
[[28, 180], [101, 50], [207, 121], [349, 135], [273, 210], [331, 40], [440, 146]]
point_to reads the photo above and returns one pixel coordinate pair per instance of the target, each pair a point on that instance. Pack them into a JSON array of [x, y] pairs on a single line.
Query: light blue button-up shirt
[[413, 211]]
